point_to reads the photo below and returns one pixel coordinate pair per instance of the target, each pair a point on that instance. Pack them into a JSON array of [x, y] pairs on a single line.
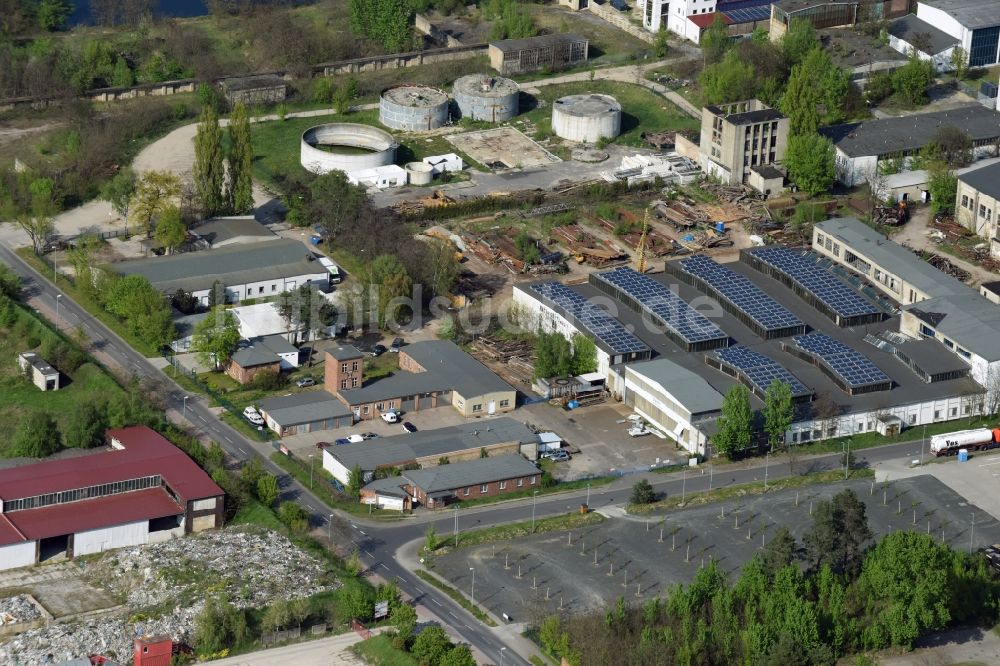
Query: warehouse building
[[439, 486], [975, 24], [861, 146], [219, 232], [245, 271], [432, 373], [299, 413], [912, 35], [140, 489], [427, 448], [977, 203]]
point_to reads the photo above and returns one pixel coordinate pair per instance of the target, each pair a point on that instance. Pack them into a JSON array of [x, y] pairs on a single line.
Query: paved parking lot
[[584, 570]]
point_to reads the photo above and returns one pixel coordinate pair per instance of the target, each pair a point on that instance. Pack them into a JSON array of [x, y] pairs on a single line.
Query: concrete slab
[[502, 148]]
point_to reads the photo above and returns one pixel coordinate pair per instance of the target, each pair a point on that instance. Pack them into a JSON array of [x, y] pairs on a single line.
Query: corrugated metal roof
[[299, 408], [470, 473]]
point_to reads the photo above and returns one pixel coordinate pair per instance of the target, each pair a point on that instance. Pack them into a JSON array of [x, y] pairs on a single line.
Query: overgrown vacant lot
[[642, 110]]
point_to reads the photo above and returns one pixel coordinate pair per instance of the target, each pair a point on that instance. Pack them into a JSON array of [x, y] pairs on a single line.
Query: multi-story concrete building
[[738, 136], [977, 203]]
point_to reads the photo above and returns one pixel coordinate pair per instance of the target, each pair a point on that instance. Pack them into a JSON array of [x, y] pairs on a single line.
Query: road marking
[[226, 437], [354, 526], [436, 601], [382, 564], [453, 615], [363, 532]]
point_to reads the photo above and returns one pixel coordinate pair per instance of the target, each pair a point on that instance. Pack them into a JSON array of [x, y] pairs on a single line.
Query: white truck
[[947, 444]]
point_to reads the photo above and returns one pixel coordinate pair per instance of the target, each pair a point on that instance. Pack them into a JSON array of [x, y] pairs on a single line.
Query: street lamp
[[534, 498], [473, 595], [311, 471], [972, 533], [847, 456], [58, 296], [456, 526], [767, 459], [501, 655], [329, 524], [588, 495], [185, 409]]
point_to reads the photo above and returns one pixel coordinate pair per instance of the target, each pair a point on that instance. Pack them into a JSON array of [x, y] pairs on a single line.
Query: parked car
[[557, 456], [390, 416], [396, 344], [251, 414], [378, 350], [306, 382], [354, 439], [369, 435], [340, 441], [638, 431], [409, 427]]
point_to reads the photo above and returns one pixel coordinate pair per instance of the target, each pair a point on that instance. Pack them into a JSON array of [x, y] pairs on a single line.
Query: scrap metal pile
[[585, 247], [497, 247]]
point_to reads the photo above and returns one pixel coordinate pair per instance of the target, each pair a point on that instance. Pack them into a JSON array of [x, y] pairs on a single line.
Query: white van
[[391, 416]]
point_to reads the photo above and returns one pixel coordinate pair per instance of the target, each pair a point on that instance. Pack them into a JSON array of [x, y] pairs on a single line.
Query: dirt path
[[914, 234]]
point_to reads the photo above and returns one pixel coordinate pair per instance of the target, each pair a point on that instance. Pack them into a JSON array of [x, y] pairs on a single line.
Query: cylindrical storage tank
[[413, 108], [419, 173], [345, 147], [586, 118], [485, 97]]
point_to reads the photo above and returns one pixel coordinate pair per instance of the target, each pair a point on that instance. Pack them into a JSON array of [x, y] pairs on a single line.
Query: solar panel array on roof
[[760, 370], [743, 295], [850, 365], [600, 324], [749, 14], [664, 305], [826, 288]]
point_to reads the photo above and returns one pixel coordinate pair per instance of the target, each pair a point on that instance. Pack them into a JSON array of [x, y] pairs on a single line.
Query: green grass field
[[642, 110], [378, 651], [20, 397]]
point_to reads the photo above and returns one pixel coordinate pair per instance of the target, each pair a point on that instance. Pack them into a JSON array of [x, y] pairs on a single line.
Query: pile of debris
[[585, 247], [657, 245], [514, 360], [497, 247], [18, 609], [943, 264], [253, 567]]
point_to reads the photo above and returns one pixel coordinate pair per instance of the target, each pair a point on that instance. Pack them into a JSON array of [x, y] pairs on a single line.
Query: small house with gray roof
[[270, 353], [298, 413], [258, 270], [431, 373]]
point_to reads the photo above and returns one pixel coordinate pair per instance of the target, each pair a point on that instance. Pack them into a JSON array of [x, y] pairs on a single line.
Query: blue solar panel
[[760, 369], [743, 294], [600, 324], [821, 284], [748, 15], [849, 364], [664, 305]]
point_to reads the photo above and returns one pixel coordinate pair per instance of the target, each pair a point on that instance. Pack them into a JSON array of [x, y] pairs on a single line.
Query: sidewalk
[[321, 652]]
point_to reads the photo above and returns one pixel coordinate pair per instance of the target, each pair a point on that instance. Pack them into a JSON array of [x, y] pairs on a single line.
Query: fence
[[280, 636]]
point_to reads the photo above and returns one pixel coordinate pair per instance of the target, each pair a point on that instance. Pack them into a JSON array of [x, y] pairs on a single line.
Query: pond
[[161, 8]]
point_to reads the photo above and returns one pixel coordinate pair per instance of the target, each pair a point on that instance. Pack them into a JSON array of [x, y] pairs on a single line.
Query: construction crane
[[640, 248]]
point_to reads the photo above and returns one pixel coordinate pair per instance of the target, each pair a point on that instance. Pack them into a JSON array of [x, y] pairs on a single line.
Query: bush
[[268, 380], [642, 493]]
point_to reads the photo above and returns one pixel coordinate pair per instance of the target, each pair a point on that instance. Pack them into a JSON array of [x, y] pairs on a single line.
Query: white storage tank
[[486, 97], [419, 173], [586, 118], [952, 441], [413, 108], [345, 147]]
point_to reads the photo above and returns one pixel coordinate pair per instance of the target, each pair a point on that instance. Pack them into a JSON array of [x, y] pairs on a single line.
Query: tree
[[431, 539], [443, 266], [951, 145], [10, 282], [431, 645], [251, 472], [553, 355], [119, 192], [733, 428], [36, 436], [839, 532], [216, 337], [170, 229], [460, 655], [404, 619], [384, 21], [661, 45], [642, 493], [960, 62], [778, 412], [942, 184], [780, 550], [209, 170], [53, 14], [277, 615], [584, 354], [799, 39], [388, 279], [813, 83], [912, 80], [30, 202], [729, 80], [122, 77], [715, 41], [218, 626], [154, 192], [294, 516], [355, 480], [85, 425], [810, 162], [239, 185], [267, 489]]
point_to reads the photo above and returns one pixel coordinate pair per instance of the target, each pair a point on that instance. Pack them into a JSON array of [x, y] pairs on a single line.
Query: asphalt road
[[378, 542]]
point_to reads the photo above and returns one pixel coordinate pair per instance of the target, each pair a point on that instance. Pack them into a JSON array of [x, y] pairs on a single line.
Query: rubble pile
[[164, 585], [18, 609]]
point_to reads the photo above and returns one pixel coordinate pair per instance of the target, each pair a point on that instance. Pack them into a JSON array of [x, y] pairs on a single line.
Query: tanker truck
[[949, 443]]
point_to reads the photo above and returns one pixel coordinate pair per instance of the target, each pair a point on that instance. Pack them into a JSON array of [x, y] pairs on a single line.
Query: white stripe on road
[[453, 615], [436, 601], [382, 564]]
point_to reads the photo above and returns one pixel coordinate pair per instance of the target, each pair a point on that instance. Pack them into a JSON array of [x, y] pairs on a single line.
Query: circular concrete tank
[[413, 108], [586, 118], [345, 147], [419, 173], [485, 97]]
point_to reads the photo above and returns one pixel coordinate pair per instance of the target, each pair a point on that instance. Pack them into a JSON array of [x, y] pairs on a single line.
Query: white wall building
[[675, 15], [974, 23]]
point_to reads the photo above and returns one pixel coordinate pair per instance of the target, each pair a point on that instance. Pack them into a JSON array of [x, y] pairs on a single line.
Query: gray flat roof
[[893, 257], [344, 352], [221, 229], [39, 363], [470, 473], [196, 271], [907, 27], [970, 321], [253, 82], [690, 389], [887, 136], [298, 408], [984, 179], [401, 449], [970, 13], [447, 368], [931, 356], [263, 350], [510, 45]]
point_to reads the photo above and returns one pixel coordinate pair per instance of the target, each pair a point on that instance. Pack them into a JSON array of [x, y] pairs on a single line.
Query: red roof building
[[140, 489]]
